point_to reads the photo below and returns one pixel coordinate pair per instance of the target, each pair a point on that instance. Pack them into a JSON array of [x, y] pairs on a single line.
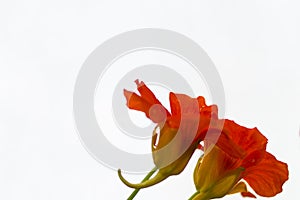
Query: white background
[[255, 46]]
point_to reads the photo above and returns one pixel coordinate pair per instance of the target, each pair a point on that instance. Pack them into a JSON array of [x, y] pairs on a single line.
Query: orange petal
[[146, 93], [224, 142], [201, 101], [136, 102], [183, 104], [211, 111], [253, 158], [268, 176], [242, 188], [147, 103], [174, 104], [248, 194], [249, 140]]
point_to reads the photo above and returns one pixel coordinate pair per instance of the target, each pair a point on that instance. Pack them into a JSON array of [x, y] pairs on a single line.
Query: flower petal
[[253, 158], [242, 188], [136, 102], [147, 103], [183, 104], [248, 194], [224, 142], [249, 139], [267, 178], [146, 93]]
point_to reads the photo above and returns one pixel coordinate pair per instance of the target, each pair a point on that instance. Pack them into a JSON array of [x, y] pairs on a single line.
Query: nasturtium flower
[[218, 173], [178, 133]]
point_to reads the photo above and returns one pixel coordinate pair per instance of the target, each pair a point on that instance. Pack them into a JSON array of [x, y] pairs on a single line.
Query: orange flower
[[218, 173], [179, 131]]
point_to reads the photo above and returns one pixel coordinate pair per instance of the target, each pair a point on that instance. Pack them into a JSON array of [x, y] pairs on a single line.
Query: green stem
[[134, 193], [195, 194]]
